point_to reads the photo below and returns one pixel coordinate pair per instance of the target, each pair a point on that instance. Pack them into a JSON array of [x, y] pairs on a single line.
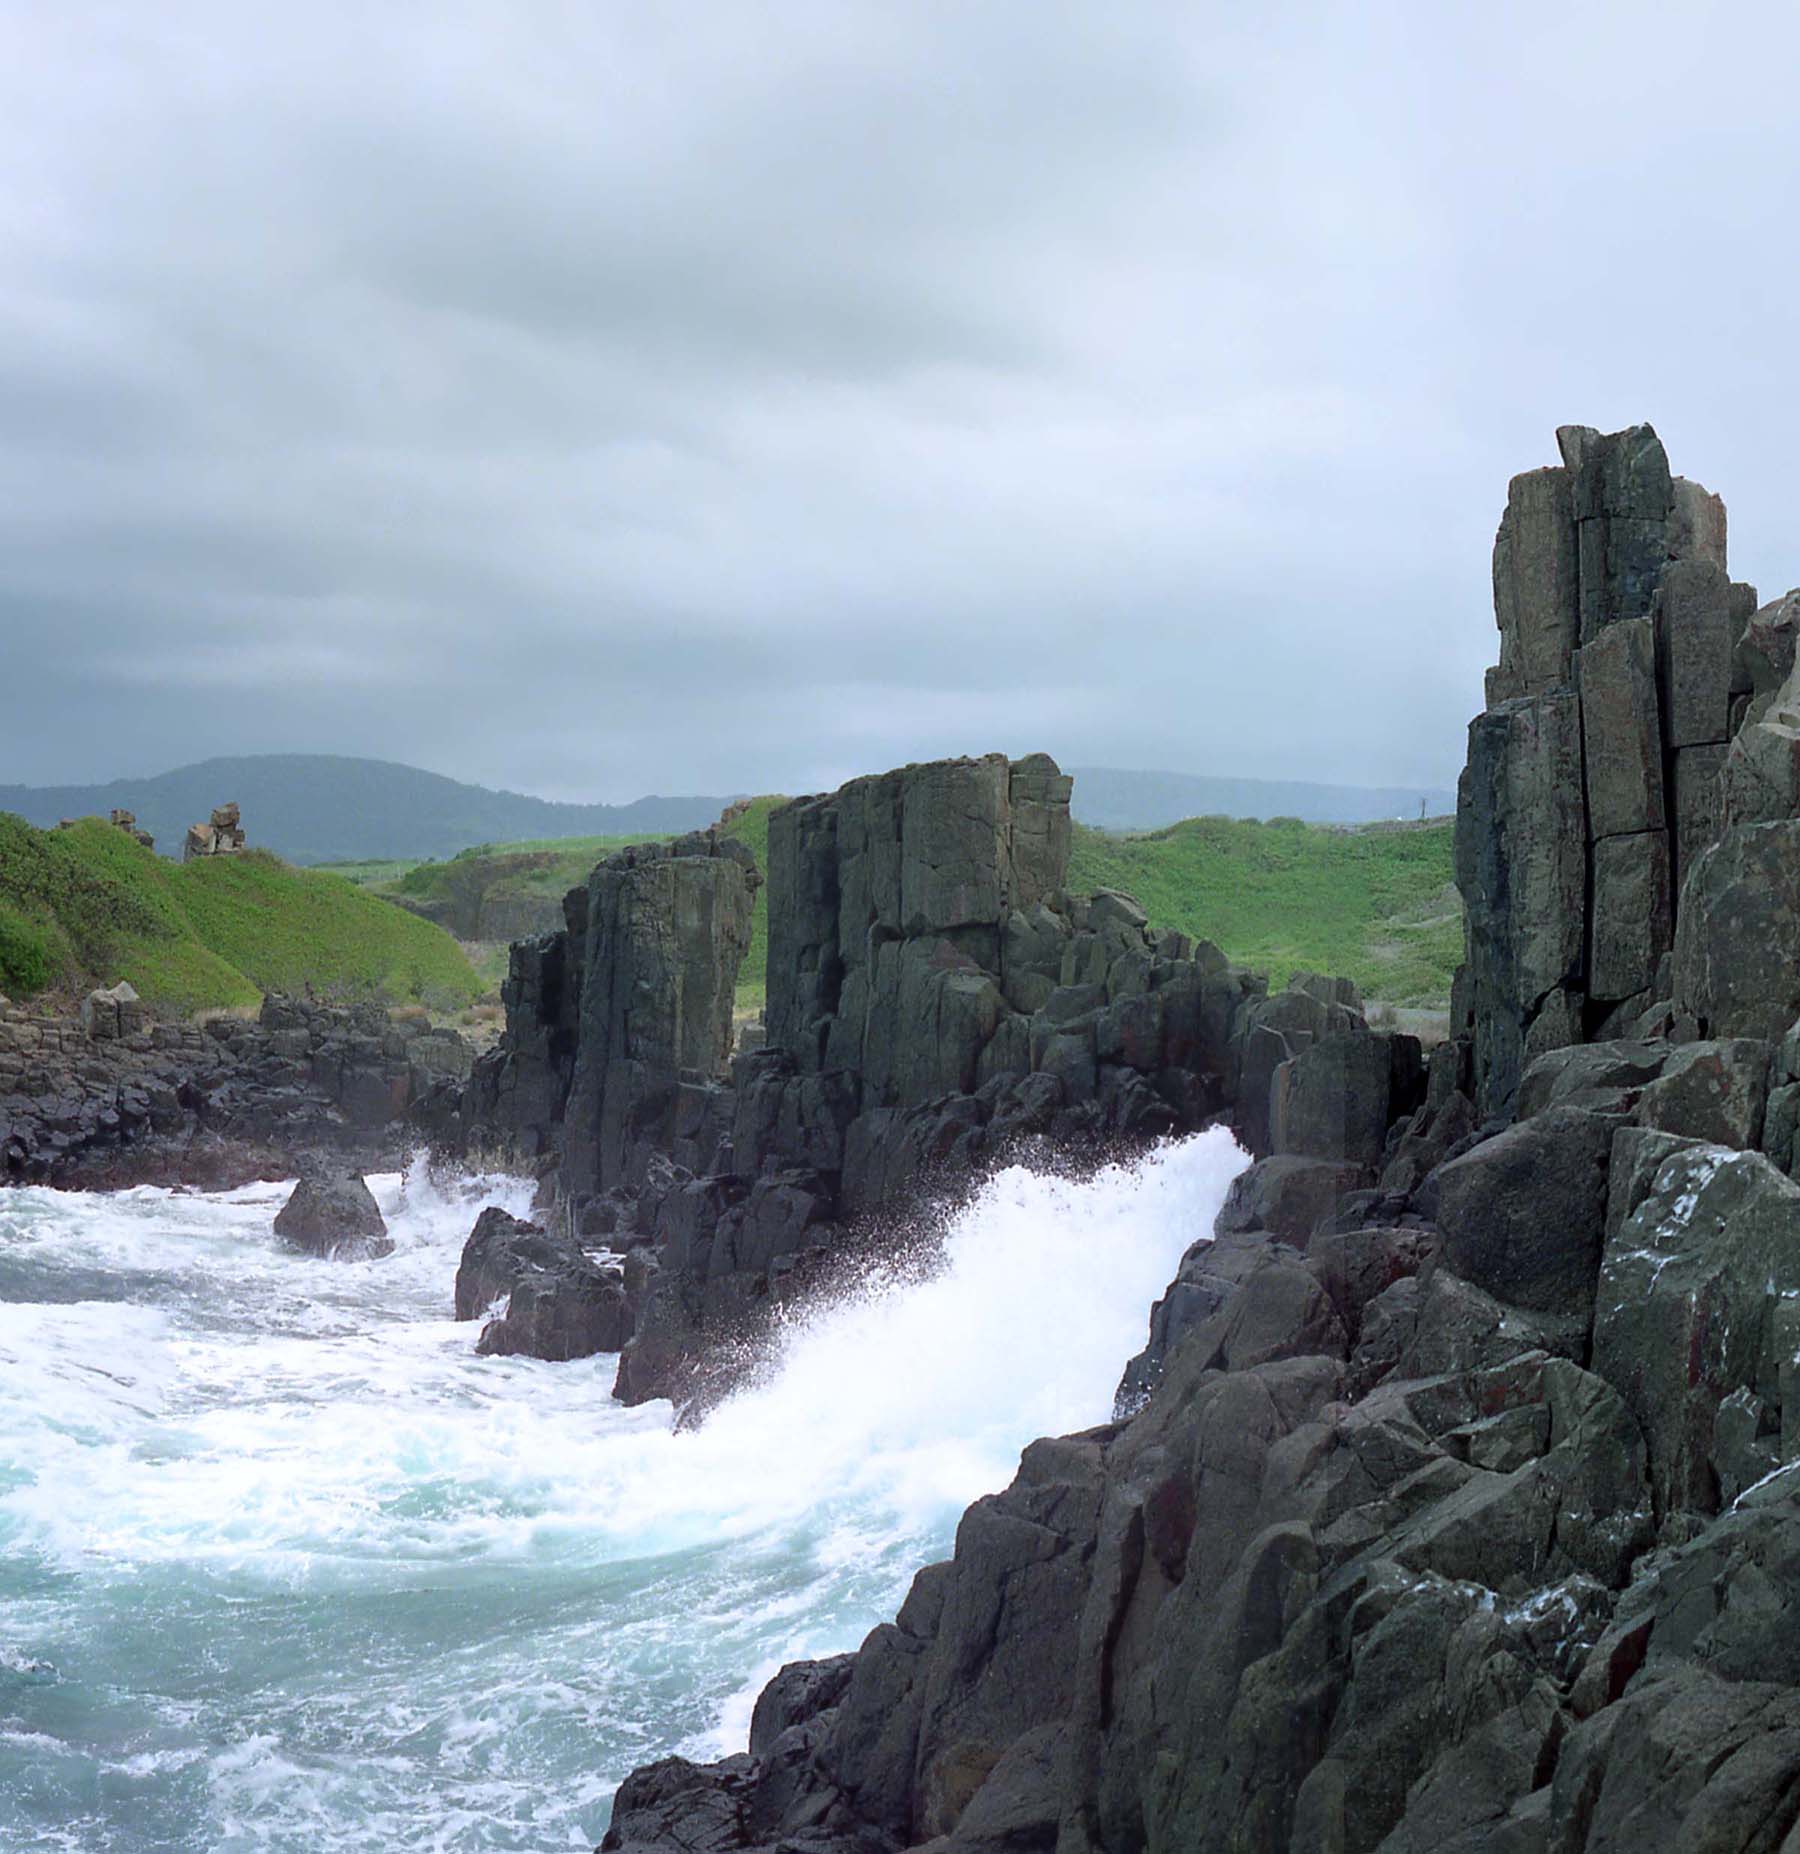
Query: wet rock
[[331, 1212]]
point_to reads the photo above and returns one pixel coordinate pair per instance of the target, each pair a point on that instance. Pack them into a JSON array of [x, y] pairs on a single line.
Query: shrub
[[25, 962]]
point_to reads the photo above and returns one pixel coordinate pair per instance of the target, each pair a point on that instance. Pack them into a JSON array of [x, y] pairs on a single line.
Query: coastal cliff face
[[1455, 1502], [937, 1000]]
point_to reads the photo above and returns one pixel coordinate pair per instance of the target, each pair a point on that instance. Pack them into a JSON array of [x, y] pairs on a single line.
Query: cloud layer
[[606, 399]]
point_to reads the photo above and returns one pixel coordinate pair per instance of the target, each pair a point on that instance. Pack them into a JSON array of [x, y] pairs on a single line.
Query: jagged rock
[[1699, 806], [1712, 1091], [117, 1012], [1761, 777], [665, 930], [1536, 587], [1607, 1077], [1288, 1195], [331, 1212], [1736, 971], [1334, 1099], [559, 1314], [1523, 1215], [1695, 1302], [500, 1249], [1764, 657], [1520, 835]]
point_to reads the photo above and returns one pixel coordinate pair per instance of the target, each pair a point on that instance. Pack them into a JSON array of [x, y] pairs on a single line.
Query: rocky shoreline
[[114, 1098], [1453, 1503]]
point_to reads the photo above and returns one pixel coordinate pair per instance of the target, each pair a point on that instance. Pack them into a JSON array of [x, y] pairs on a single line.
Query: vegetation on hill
[[751, 828], [88, 905], [1376, 904]]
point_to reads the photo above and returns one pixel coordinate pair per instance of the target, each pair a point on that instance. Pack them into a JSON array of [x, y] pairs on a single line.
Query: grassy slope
[[88, 905], [1374, 904], [752, 830]]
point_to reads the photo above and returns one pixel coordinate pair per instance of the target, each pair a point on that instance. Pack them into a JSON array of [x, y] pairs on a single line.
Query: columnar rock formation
[[1454, 1505], [1593, 782], [222, 836], [935, 997]]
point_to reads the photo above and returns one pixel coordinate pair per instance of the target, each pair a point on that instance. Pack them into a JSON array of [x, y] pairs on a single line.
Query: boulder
[[560, 1314], [331, 1212], [112, 1014], [1332, 1101], [1715, 1091], [502, 1248], [1523, 1215]]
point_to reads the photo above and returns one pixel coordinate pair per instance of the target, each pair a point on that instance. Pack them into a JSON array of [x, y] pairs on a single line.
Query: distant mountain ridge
[[324, 807], [1110, 799], [320, 807]]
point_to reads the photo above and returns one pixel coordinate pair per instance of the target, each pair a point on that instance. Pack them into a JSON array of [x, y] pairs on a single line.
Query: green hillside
[[88, 905], [1376, 904], [751, 829]]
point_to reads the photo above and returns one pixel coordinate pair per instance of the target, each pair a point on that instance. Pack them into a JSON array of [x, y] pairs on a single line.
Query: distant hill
[[322, 808], [1109, 799]]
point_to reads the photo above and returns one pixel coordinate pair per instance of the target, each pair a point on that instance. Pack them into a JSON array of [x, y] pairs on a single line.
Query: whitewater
[[284, 1566]]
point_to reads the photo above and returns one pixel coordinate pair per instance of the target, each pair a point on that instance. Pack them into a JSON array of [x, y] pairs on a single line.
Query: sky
[[607, 398]]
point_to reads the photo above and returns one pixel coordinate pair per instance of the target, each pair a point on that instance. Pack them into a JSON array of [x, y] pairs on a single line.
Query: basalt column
[[667, 929], [1593, 778]]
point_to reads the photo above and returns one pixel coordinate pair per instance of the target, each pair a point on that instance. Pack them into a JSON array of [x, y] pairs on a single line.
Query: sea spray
[[307, 1574]]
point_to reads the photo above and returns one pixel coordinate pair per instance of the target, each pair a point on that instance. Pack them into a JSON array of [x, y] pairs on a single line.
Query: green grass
[[1375, 904], [88, 905], [752, 831]]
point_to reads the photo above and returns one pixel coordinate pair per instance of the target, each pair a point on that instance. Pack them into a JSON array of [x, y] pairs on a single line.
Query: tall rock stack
[[1593, 782], [622, 1020], [667, 927]]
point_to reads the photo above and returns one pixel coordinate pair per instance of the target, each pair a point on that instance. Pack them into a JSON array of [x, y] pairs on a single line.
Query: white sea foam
[[323, 1578]]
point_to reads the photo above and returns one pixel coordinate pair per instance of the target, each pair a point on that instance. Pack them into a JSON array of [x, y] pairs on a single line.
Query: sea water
[[284, 1566]]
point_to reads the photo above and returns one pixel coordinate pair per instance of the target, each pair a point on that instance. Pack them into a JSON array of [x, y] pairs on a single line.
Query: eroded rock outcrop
[[120, 1098], [1454, 1502], [937, 1000]]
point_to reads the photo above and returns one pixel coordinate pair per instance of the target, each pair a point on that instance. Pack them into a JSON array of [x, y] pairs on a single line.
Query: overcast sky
[[600, 398]]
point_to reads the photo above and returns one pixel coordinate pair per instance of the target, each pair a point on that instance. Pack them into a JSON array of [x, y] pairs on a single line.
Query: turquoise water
[[284, 1566]]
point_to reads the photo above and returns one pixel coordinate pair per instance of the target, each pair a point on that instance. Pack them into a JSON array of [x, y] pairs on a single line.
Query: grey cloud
[[607, 399]]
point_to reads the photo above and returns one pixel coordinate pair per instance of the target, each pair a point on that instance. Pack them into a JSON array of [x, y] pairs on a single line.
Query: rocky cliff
[[936, 1000], [1454, 1504]]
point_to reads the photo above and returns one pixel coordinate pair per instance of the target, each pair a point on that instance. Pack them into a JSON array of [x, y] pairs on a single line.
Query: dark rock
[[1712, 1091], [1736, 974], [331, 1212], [1523, 1215]]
